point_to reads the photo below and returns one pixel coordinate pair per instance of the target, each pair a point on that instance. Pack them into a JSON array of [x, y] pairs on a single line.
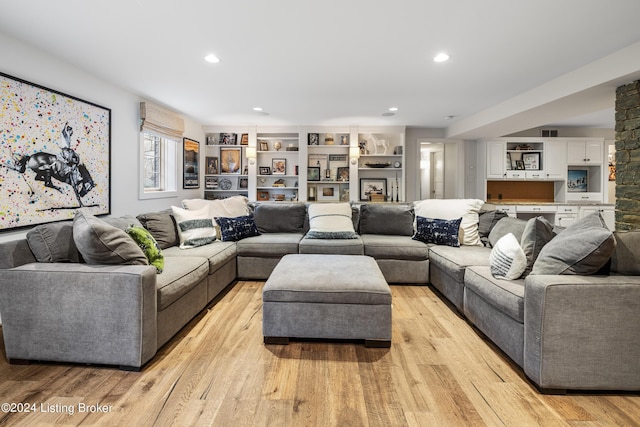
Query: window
[[158, 168]]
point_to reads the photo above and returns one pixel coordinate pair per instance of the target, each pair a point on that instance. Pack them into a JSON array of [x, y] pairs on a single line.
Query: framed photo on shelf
[[244, 140], [531, 161], [210, 182], [263, 196], [230, 160], [508, 162], [318, 160], [211, 167], [279, 166], [343, 174], [243, 183], [264, 146], [191, 167], [264, 170], [313, 139], [519, 165], [227, 138], [577, 180], [372, 186], [313, 173], [328, 192], [612, 172], [337, 161]]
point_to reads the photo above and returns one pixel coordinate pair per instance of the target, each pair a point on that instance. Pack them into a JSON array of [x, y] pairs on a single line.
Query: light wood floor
[[438, 372]]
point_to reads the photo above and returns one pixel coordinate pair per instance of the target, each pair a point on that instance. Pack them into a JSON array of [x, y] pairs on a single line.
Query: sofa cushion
[[537, 233], [330, 221], [467, 209], [181, 274], [195, 227], [454, 260], [584, 247], [231, 207], [280, 217], [438, 231], [331, 246], [505, 226], [380, 246], [487, 220], [386, 219], [270, 245], [149, 246], [122, 222], [235, 229], [505, 295], [53, 242], [626, 257], [162, 226], [507, 259], [101, 243], [218, 253]]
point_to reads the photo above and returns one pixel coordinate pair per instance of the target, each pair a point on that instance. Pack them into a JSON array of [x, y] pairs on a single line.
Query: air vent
[[549, 133]]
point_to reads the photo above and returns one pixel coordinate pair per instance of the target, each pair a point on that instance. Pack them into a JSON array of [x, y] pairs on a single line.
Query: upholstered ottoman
[[327, 296]]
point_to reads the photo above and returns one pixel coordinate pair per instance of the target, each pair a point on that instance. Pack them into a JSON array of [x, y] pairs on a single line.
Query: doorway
[[431, 170]]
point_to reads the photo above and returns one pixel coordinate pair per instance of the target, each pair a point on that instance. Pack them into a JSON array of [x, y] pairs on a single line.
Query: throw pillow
[[584, 247], [438, 231], [467, 209], [330, 221], [488, 220], [505, 226], [195, 228], [537, 233], [231, 207], [162, 226], [101, 243], [386, 219], [507, 260], [149, 246], [280, 217], [53, 242], [234, 229]]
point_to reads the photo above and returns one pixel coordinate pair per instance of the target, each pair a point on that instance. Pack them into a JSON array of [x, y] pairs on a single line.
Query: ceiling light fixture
[[212, 58], [441, 57], [257, 108], [393, 109]]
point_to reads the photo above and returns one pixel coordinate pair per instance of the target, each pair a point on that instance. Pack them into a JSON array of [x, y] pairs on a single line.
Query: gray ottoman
[[327, 296]]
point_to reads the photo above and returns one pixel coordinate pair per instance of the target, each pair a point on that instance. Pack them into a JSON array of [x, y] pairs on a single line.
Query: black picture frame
[[343, 174], [531, 161], [190, 164], [264, 170], [313, 173], [228, 139], [71, 135], [243, 183], [370, 186], [210, 182], [313, 139], [244, 140], [519, 165], [211, 166]]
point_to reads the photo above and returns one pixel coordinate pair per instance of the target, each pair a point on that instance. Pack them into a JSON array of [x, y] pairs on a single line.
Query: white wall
[[27, 63]]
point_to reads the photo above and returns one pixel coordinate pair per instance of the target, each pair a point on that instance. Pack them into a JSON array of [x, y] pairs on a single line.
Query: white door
[[437, 167]]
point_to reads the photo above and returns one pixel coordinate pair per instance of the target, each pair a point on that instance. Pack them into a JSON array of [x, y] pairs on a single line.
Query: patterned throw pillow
[[438, 231], [234, 229], [149, 246], [330, 221], [507, 259], [195, 228]]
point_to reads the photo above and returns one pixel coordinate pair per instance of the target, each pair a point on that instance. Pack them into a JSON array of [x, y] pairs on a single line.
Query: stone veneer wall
[[628, 157]]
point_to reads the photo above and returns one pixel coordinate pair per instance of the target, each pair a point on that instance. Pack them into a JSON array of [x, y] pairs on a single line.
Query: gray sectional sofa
[[564, 331]]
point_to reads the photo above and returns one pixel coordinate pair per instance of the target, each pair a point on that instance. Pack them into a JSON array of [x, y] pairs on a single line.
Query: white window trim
[[171, 173]]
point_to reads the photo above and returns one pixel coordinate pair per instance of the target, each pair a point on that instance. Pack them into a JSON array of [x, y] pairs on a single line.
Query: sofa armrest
[[581, 332], [103, 314]]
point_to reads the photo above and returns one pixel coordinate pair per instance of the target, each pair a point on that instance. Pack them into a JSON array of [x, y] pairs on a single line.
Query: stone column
[[628, 157]]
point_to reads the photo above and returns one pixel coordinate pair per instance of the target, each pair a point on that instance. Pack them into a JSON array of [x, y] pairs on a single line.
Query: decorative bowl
[[378, 165]]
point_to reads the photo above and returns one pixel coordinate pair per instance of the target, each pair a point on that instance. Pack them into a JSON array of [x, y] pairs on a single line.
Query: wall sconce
[[251, 155], [354, 153]]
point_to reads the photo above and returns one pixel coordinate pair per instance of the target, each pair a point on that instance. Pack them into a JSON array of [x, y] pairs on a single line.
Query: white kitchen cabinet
[[496, 160], [555, 160], [607, 213], [585, 152]]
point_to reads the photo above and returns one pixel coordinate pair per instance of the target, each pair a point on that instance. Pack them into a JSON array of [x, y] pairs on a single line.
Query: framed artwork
[[371, 186], [313, 139], [211, 167], [336, 161], [244, 140], [210, 182], [519, 165], [531, 161], [190, 161], [328, 193], [313, 173], [343, 174], [508, 161], [263, 196], [243, 183], [264, 170], [612, 172], [264, 146], [279, 166], [55, 155], [230, 160], [577, 180], [318, 160], [227, 138]]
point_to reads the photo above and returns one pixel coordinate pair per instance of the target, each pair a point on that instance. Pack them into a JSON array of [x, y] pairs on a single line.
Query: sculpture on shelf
[[380, 145]]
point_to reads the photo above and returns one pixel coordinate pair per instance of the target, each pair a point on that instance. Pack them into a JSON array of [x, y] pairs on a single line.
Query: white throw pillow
[[507, 259], [231, 207], [330, 221], [467, 209], [195, 227]]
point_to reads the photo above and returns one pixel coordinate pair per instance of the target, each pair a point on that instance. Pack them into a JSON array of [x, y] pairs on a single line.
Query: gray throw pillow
[[162, 227], [53, 242], [505, 226], [583, 248], [122, 222], [386, 219], [280, 217], [537, 233], [101, 243], [488, 220], [625, 257]]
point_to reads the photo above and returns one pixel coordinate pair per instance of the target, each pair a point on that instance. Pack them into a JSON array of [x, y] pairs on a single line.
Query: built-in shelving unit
[[226, 169], [277, 166]]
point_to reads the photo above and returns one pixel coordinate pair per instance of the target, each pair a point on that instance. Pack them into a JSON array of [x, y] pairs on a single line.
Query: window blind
[[159, 120]]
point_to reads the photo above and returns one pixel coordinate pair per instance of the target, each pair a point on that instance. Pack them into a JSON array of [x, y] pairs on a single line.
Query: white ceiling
[[514, 65]]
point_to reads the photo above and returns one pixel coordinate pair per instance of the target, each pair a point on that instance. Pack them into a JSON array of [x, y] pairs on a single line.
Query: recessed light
[[212, 58], [449, 117], [393, 109], [441, 57], [257, 108]]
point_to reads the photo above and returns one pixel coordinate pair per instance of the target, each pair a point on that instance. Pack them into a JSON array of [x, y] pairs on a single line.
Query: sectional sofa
[[565, 331]]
